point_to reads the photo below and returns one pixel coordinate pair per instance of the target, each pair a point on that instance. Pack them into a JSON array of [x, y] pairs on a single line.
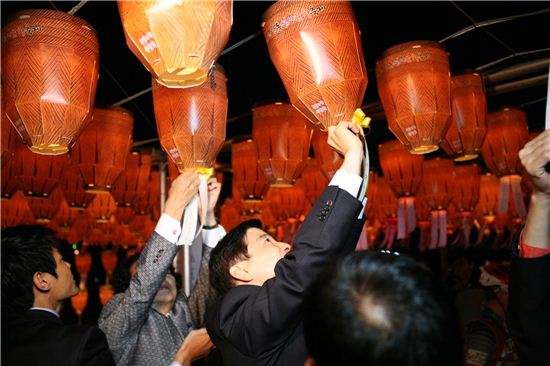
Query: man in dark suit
[[35, 281], [257, 320], [529, 302]]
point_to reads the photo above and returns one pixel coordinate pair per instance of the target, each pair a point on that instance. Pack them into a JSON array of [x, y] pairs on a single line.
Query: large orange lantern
[[149, 201], [103, 206], [100, 152], [191, 121], [44, 209], [507, 134], [72, 186], [286, 202], [316, 48], [414, 86], [313, 182], [50, 68], [468, 125], [15, 211], [10, 183], [283, 137], [438, 187], [247, 176], [38, 174], [328, 159], [177, 41], [133, 180], [466, 195], [66, 217], [403, 172]]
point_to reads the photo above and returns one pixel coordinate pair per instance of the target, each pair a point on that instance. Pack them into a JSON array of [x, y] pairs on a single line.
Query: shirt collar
[[46, 309]]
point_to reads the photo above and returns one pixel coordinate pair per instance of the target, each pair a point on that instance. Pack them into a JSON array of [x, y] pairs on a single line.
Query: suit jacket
[[529, 308], [40, 338], [262, 325], [138, 334]]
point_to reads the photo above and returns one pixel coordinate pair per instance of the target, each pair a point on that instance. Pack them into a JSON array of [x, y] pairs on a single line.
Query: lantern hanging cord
[[77, 7]]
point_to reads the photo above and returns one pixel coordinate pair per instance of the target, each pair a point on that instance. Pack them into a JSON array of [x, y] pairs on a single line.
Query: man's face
[[167, 291], [63, 286], [264, 252]]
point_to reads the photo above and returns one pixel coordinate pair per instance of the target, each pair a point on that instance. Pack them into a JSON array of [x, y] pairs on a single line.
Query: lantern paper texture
[[438, 183], [72, 186], [247, 176], [402, 170], [414, 86], [467, 182], [316, 48], [177, 41], [50, 69]]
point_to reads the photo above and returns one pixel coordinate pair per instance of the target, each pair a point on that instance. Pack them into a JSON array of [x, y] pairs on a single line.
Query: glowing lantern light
[[438, 188], [109, 261], [80, 301], [316, 48], [102, 208], [466, 195], [414, 86], [247, 176], [100, 152], [468, 125], [328, 159], [487, 205], [38, 175], [106, 292], [83, 262], [507, 134], [50, 68], [191, 121], [313, 182], [283, 137], [177, 41], [72, 186], [403, 172]]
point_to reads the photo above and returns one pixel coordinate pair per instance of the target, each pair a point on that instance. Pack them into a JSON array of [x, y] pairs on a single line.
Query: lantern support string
[[77, 7]]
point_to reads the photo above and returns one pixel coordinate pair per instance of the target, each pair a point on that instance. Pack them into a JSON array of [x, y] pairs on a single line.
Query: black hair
[[121, 277], [230, 250], [26, 249], [380, 309]]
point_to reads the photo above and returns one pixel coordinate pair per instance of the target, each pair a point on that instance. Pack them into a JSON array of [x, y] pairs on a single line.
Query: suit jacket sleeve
[[201, 293], [265, 320], [125, 313], [529, 308], [96, 351]]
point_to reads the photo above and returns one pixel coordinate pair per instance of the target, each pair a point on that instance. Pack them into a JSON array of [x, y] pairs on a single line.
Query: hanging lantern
[[489, 186], [133, 180], [438, 184], [50, 68], [15, 211], [328, 159], [403, 172], [372, 193], [386, 207], [100, 152], [83, 262], [106, 292], [45, 208], [414, 86], [283, 137], [507, 134], [124, 215], [191, 121], [177, 41], [229, 214], [10, 183], [466, 195], [38, 174], [423, 220], [109, 261], [150, 200], [72, 186], [247, 176], [102, 208], [313, 182], [65, 217], [79, 301], [468, 125], [286, 202], [8, 135], [316, 48]]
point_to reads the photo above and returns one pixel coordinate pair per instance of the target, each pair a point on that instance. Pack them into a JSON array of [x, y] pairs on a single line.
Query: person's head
[[165, 296], [495, 274], [245, 255], [33, 271], [380, 309]]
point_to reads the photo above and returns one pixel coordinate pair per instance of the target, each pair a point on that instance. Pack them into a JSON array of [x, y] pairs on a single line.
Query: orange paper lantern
[[468, 125], [65, 217], [15, 211], [124, 215], [247, 176], [328, 159], [109, 261], [403, 172], [83, 262], [8, 135], [414, 86], [72, 186], [10, 183], [313, 182], [316, 48], [229, 214], [150, 200], [177, 41], [80, 301], [38, 174], [191, 121], [133, 180], [102, 208], [100, 152], [386, 210], [286, 202], [106, 292], [283, 137], [488, 196], [467, 182], [45, 208], [50, 68]]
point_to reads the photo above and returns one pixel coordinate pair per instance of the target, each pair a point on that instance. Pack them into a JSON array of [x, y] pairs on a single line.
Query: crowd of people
[[258, 301]]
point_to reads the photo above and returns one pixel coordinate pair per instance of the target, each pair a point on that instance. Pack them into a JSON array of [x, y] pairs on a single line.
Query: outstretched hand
[[196, 345], [182, 190], [535, 157], [343, 139]]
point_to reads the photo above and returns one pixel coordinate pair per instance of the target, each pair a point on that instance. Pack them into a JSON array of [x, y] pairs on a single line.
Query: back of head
[[228, 251], [380, 309], [26, 249]]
